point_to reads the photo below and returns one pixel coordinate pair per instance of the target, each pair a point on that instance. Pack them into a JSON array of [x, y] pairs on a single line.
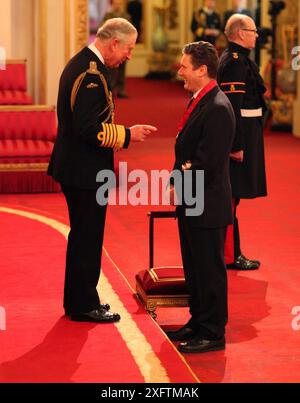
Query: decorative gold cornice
[[81, 24]]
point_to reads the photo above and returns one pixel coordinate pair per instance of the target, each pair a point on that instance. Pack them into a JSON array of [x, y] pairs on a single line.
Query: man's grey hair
[[234, 24], [118, 28]]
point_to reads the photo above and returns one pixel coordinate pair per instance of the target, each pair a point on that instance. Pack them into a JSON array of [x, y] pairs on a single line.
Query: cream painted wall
[[23, 37], [56, 47], [16, 33], [6, 28]]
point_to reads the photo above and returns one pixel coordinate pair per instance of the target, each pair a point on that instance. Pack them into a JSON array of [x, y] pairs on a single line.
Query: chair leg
[[151, 308]]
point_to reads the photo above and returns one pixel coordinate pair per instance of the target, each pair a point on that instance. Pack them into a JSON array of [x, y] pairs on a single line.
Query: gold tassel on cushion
[[112, 136]]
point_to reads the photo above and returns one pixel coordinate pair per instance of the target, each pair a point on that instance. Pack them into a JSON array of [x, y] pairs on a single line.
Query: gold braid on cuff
[[112, 136]]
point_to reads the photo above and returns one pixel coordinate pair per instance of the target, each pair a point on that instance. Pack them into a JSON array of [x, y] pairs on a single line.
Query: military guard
[[239, 78], [206, 23]]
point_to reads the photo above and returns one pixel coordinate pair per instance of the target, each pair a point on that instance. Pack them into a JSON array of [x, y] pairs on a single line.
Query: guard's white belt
[[251, 113]]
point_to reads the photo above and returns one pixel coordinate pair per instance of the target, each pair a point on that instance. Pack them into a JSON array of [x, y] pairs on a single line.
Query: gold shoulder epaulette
[[93, 69], [77, 84]]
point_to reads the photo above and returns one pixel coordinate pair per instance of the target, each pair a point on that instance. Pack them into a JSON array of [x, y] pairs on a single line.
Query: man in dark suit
[[84, 146], [206, 23], [239, 78], [204, 142]]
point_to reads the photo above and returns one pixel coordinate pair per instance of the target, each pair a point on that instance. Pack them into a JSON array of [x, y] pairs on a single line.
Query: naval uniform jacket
[[239, 78], [202, 20], [205, 143], [86, 132]]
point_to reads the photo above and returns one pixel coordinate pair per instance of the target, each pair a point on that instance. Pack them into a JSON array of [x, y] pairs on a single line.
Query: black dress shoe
[[251, 260], [242, 263], [96, 316], [200, 345], [184, 333], [106, 307]]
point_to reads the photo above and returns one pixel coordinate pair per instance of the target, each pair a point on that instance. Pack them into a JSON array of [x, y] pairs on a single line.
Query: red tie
[[194, 102]]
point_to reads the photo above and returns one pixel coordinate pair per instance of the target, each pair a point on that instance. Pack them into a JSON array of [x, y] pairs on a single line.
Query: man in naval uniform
[[206, 23], [239, 78], [84, 146]]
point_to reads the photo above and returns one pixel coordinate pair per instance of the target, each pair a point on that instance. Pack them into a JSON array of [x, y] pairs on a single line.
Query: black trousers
[[84, 250], [206, 278]]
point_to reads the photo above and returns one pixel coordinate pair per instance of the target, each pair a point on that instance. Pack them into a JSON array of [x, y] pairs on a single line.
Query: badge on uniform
[[235, 55], [92, 85]]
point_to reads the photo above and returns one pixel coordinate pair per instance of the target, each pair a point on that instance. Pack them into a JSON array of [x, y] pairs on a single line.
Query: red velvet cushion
[[25, 148], [33, 125], [163, 280], [9, 97], [13, 77]]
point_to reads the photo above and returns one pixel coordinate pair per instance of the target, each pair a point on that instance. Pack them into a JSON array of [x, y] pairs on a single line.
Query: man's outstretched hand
[[140, 132]]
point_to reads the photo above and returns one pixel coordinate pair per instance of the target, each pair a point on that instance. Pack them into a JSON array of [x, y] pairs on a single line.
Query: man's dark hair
[[203, 53]]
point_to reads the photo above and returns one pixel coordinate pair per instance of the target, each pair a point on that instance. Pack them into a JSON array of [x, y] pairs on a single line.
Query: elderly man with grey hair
[[87, 137], [239, 78]]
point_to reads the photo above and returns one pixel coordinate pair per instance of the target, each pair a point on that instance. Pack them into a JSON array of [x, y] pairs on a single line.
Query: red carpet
[[261, 344], [40, 345]]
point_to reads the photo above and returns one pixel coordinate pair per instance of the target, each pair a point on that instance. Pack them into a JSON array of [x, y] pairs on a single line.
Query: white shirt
[[94, 49], [197, 93]]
